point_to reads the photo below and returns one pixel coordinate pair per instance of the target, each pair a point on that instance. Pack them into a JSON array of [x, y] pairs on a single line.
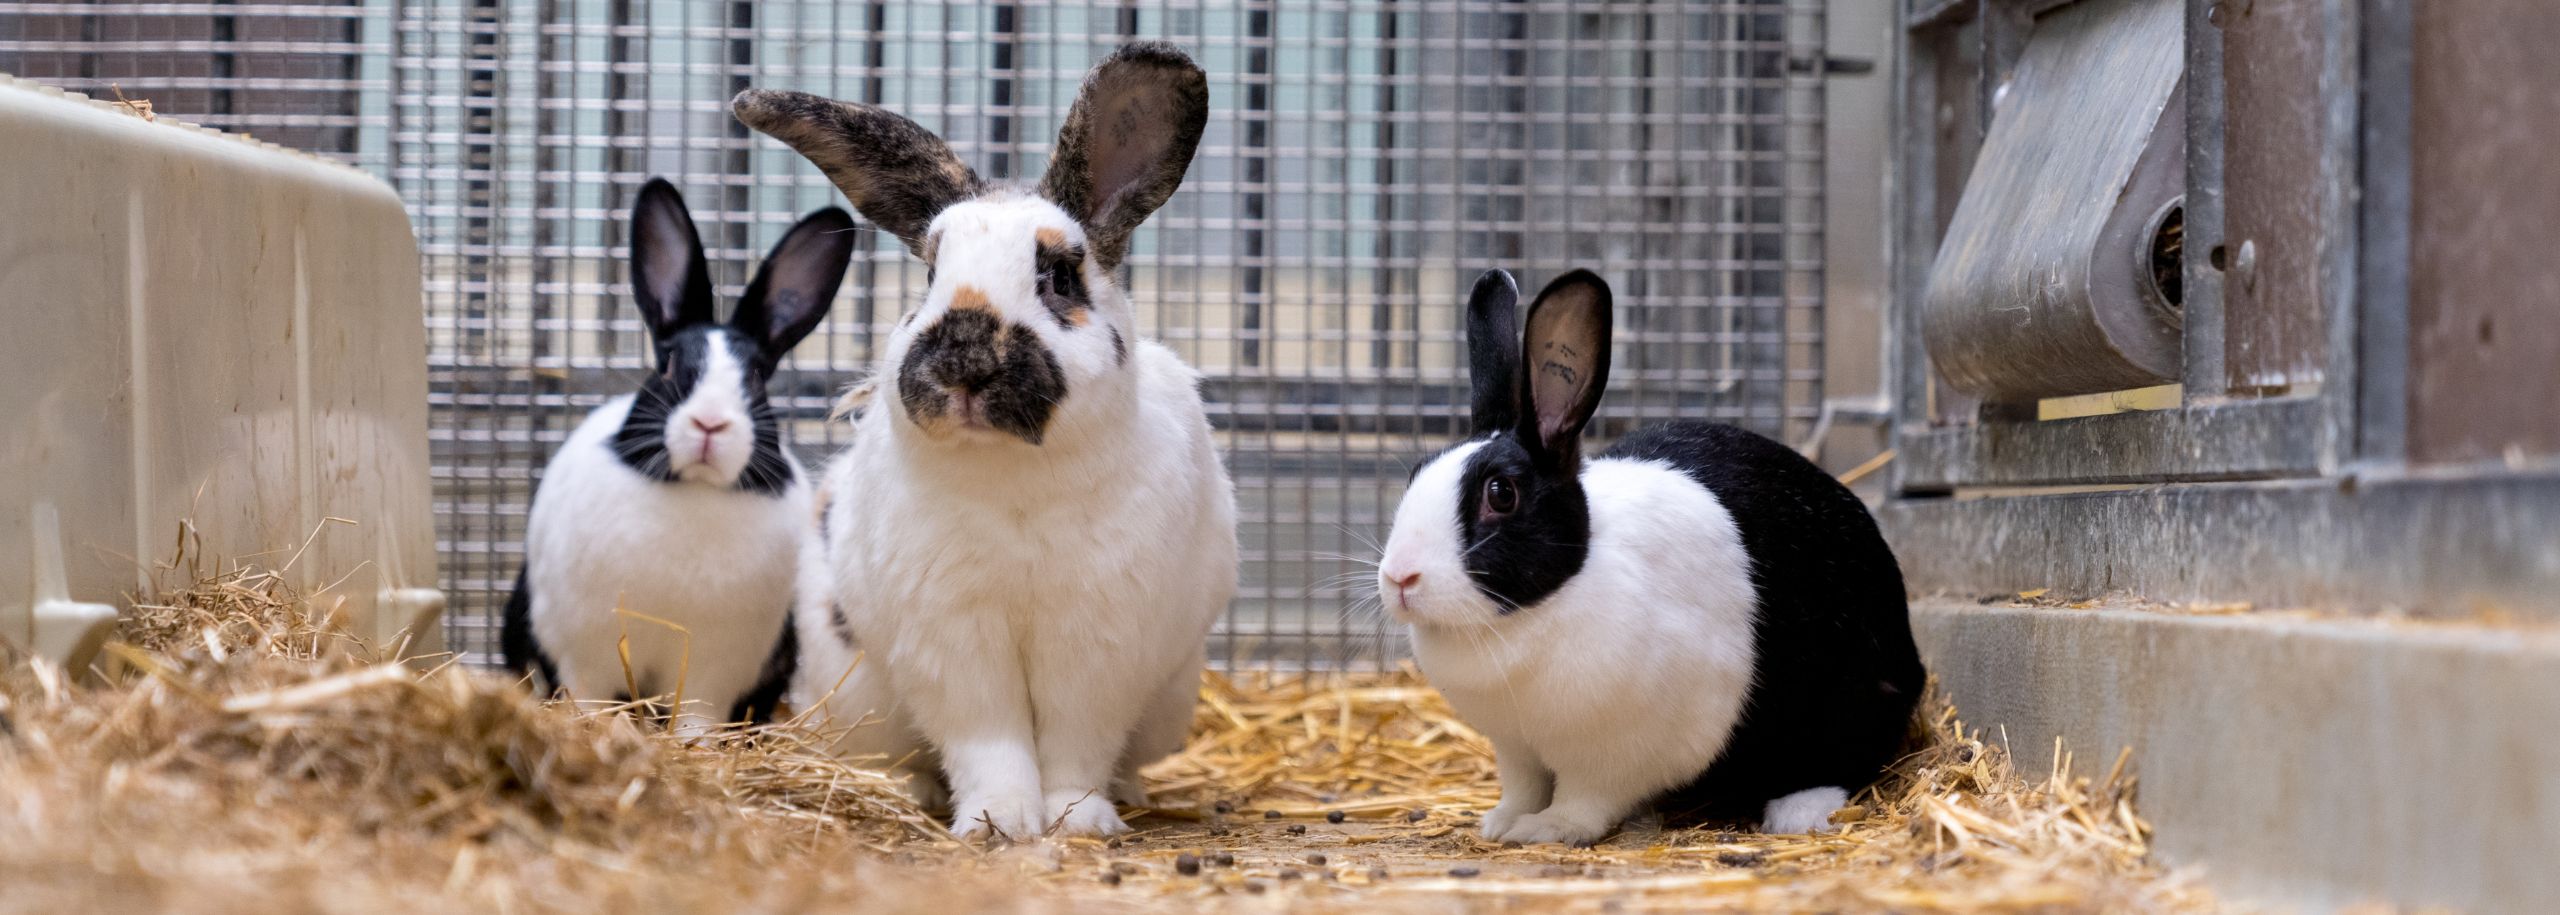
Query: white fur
[[1804, 812], [1622, 684], [997, 584], [694, 553], [844, 690]]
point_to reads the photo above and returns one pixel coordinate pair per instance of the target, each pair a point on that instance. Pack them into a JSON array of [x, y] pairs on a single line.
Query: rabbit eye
[[1501, 495], [1062, 286]]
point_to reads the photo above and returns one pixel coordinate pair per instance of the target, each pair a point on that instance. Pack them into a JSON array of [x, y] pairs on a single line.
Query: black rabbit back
[[1836, 674]]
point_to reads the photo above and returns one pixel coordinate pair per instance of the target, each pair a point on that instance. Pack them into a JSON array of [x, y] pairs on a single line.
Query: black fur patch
[[897, 173], [1518, 553], [758, 705], [1127, 142], [1837, 673], [641, 442], [974, 352], [1521, 555], [1493, 353], [843, 627], [1119, 348], [516, 644]]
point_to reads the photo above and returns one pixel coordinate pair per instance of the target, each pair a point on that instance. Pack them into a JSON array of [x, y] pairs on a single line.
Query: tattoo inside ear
[[1560, 370]]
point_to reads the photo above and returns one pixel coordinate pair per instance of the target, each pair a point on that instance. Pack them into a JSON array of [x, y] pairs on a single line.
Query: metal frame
[[2216, 434], [2382, 283], [2282, 501], [2445, 544]]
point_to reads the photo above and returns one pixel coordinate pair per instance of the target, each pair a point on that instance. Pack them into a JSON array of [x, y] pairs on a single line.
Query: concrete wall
[[2292, 760]]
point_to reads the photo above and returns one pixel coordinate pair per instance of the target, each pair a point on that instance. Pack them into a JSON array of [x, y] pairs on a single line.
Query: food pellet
[[1186, 864], [1334, 816]]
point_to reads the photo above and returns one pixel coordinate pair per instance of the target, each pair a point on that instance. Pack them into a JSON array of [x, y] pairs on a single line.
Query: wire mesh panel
[[310, 74], [1363, 162]]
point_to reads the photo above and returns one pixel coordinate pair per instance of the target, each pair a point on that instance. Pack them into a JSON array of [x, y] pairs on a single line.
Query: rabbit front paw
[[1551, 826], [1084, 813], [1011, 816]]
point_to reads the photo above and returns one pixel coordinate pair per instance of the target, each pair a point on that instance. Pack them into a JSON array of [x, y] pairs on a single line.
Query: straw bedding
[[236, 755]]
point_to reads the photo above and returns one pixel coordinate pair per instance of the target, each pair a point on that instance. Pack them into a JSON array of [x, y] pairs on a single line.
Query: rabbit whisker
[[1364, 539]]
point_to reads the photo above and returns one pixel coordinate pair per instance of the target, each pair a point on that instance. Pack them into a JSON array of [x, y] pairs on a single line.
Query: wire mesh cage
[[1363, 162]]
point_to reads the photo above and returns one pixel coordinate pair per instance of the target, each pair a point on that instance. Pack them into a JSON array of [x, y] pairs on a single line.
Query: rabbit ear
[[896, 172], [1127, 142], [669, 279], [791, 292], [1566, 356], [1493, 352]]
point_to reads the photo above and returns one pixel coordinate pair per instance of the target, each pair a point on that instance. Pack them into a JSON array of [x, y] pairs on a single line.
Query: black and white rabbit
[[1030, 532], [682, 503], [1698, 617]]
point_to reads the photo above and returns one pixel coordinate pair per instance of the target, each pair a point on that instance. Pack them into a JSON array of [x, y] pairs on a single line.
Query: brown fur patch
[[897, 173], [969, 297], [1050, 237]]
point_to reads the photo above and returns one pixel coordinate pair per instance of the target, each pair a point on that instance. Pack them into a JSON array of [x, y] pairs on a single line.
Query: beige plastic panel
[[204, 326]]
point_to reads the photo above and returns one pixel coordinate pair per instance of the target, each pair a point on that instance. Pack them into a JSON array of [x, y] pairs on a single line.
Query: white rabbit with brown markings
[[1030, 532]]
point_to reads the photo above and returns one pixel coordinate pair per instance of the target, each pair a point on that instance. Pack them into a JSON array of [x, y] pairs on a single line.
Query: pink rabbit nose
[[710, 427], [1404, 581]]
